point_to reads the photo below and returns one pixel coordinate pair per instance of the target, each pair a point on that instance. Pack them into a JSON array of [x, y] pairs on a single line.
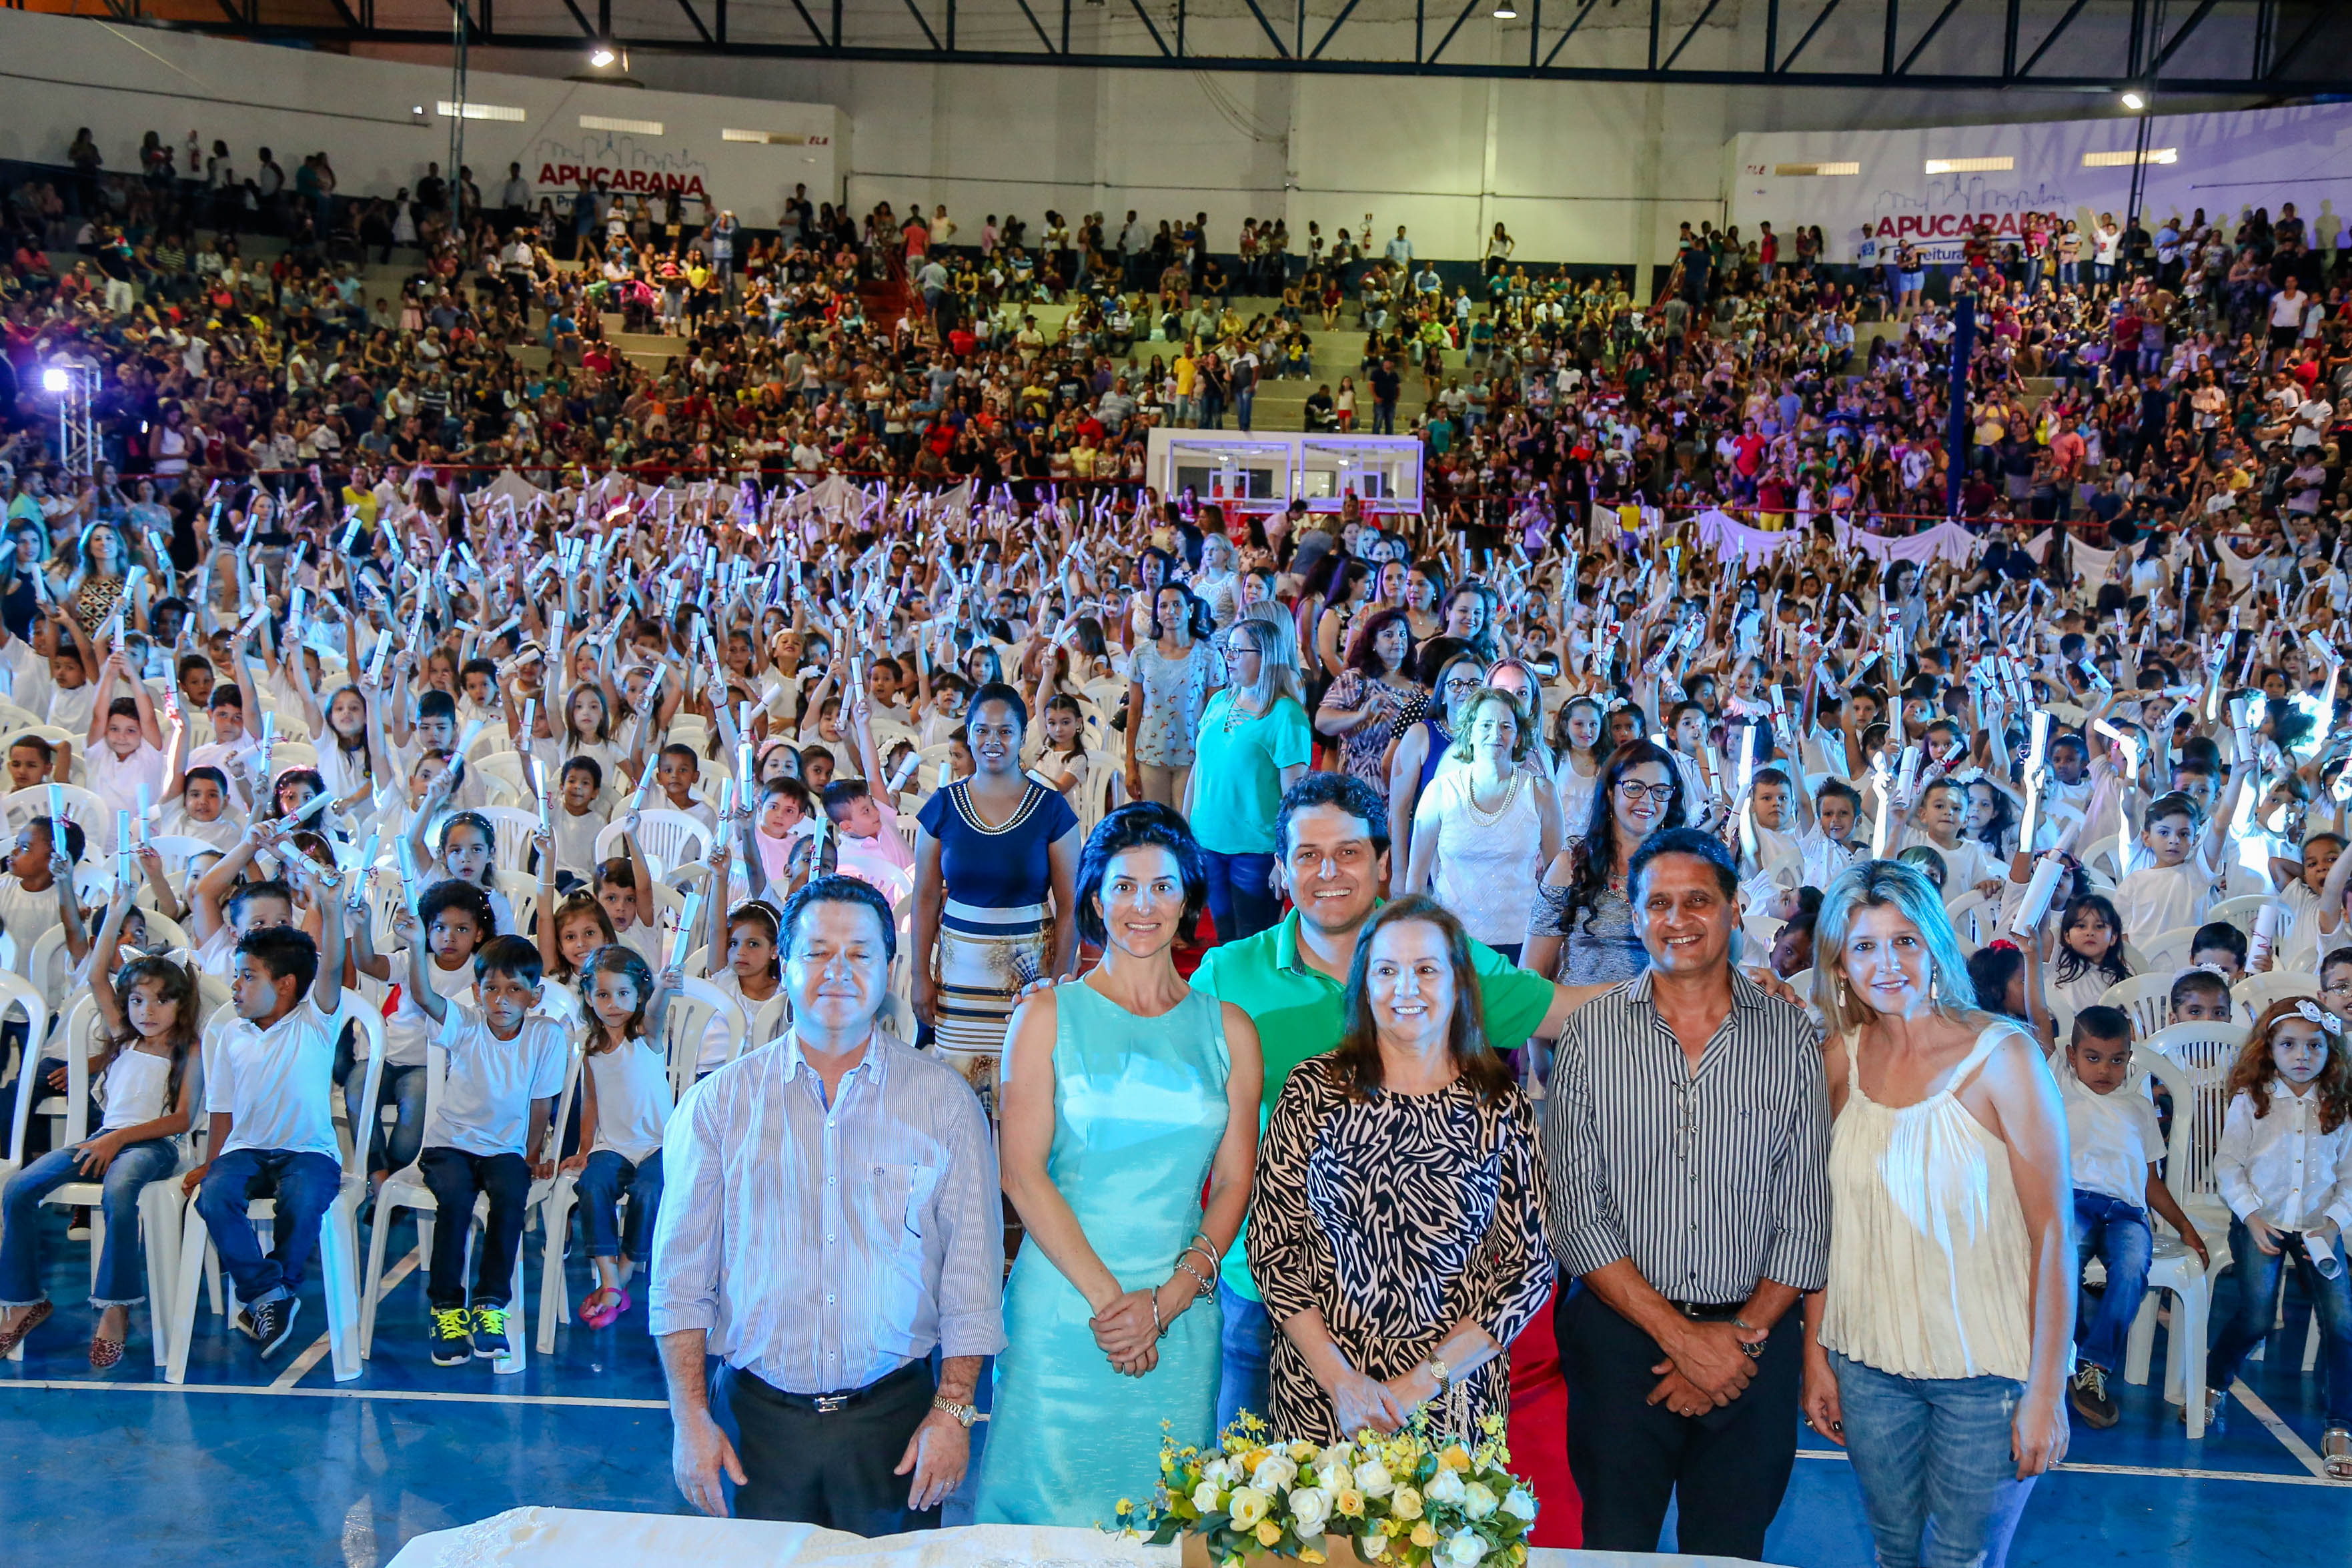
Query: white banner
[[2225, 164]]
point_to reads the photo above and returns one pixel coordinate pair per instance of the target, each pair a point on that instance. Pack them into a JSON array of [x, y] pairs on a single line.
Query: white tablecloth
[[581, 1538]]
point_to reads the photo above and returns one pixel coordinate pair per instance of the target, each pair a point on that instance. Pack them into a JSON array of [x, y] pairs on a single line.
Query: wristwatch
[[965, 1415], [1437, 1369]]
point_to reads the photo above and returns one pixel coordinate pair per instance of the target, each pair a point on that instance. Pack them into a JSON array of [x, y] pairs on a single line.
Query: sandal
[[2336, 1448], [35, 1316], [616, 1301], [103, 1351]]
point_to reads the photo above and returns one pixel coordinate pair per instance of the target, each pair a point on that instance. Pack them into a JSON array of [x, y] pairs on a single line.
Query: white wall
[[62, 73], [2225, 163]]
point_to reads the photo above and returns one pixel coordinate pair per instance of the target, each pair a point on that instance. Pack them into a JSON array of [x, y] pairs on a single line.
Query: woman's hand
[[1823, 1411], [96, 1154], [2038, 1433], [926, 998], [1124, 1326], [2264, 1234], [1359, 1402]]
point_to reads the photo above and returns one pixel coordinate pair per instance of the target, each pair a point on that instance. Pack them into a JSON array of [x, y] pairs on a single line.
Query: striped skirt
[[985, 957]]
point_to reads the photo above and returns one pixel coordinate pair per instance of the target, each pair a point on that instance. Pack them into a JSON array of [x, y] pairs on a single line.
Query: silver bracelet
[[1205, 1287]]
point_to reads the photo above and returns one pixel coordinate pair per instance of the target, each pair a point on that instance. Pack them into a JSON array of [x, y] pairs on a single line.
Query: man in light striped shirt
[[830, 1219], [1685, 1143]]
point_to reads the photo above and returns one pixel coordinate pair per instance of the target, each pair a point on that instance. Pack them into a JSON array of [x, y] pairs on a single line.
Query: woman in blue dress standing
[[1125, 1093], [993, 868]]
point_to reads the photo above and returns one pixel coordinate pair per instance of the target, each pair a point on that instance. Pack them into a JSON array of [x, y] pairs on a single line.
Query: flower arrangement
[[1405, 1500]]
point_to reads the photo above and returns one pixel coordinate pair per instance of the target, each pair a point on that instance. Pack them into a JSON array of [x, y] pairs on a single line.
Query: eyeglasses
[[1635, 791]]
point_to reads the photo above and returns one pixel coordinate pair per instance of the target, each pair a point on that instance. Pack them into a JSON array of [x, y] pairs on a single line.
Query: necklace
[[1485, 819]]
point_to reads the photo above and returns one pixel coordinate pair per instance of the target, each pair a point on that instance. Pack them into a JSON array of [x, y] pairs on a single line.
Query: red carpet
[[1538, 1434]]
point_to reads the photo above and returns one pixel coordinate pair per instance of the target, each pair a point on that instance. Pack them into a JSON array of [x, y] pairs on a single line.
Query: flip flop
[[11, 1338], [616, 1301], [104, 1352]]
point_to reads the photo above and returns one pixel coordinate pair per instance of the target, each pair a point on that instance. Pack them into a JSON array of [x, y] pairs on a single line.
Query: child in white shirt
[[2178, 889], [507, 1064], [2115, 1145], [267, 1083], [625, 1102], [2285, 1167]]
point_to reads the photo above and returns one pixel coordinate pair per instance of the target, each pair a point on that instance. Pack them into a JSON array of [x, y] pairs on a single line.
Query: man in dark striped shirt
[[1686, 1143]]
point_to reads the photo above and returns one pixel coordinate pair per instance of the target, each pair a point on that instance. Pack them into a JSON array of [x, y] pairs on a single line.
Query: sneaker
[[452, 1346], [273, 1322], [490, 1332], [243, 1322], [2090, 1398]]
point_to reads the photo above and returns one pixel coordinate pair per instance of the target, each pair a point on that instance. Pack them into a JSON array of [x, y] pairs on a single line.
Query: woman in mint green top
[[1124, 1094], [1254, 742]]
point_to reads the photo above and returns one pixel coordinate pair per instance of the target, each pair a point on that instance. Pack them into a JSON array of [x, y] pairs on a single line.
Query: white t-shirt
[[24, 915], [485, 1107], [115, 780], [633, 1100], [2158, 899], [277, 1083], [70, 710], [575, 841], [2111, 1139], [407, 1030]]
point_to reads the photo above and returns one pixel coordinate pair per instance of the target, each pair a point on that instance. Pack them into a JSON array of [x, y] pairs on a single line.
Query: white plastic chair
[[405, 1189], [2240, 911], [2256, 993], [178, 850], [1973, 915], [21, 806], [2175, 1268], [339, 1238], [698, 1001], [2204, 1053], [2147, 997], [2167, 951], [670, 840], [162, 1204], [16, 994], [522, 889], [515, 828]]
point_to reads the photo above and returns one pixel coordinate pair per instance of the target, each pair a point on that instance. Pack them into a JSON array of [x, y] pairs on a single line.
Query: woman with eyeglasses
[[1425, 729], [1582, 930], [1487, 828]]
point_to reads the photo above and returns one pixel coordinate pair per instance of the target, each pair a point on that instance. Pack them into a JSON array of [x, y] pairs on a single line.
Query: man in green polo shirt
[[1332, 832]]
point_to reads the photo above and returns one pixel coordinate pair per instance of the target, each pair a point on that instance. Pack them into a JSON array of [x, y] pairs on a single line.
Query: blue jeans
[[303, 1184], [400, 1086], [2259, 1274], [1932, 1455], [121, 1278], [2116, 1234], [600, 1187], [1240, 903], [1246, 1339]]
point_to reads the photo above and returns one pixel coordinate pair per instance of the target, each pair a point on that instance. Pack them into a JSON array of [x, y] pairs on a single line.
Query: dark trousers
[[1240, 902], [832, 1469], [1728, 1468], [455, 1176]]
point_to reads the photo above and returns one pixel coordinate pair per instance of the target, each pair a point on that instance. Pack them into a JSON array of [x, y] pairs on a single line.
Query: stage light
[[2133, 101], [57, 379], [1503, 11], [602, 56]]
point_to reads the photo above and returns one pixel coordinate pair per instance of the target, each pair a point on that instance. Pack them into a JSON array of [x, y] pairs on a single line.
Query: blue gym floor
[[279, 1464]]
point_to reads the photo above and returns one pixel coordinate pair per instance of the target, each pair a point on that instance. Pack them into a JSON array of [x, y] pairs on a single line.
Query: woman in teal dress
[[1125, 1093]]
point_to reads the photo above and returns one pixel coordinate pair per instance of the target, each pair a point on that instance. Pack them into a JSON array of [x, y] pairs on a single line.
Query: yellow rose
[[1302, 1452], [1268, 1532], [1405, 1503], [1349, 1501], [1455, 1458], [1424, 1535], [1309, 1555]]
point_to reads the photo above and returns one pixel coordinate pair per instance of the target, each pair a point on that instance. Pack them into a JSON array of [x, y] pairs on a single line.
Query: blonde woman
[[1255, 743], [1938, 1354], [1483, 833]]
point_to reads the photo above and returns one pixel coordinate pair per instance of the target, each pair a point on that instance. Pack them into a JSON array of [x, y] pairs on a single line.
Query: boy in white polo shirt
[[269, 1088], [487, 1135]]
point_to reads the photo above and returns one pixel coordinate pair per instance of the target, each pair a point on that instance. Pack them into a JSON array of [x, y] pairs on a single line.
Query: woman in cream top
[[1939, 1351]]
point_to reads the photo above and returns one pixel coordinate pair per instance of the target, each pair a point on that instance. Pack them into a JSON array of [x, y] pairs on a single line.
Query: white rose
[[1444, 1486], [1520, 1504], [1373, 1547], [1477, 1501], [1207, 1498], [1372, 1478], [1248, 1505], [1465, 1548], [1274, 1472], [1219, 1470], [1309, 1506], [1332, 1475]]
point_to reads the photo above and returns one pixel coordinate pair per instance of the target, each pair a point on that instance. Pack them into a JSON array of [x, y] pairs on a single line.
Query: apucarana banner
[[1870, 191]]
